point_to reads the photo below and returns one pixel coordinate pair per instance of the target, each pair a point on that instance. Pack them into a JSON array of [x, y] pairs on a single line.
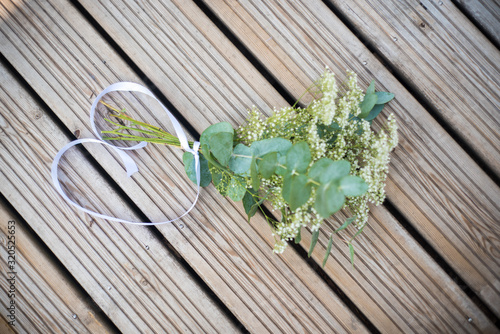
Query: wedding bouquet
[[307, 163]]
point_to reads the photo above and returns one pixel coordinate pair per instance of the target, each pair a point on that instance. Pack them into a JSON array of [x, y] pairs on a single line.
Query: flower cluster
[[332, 128]]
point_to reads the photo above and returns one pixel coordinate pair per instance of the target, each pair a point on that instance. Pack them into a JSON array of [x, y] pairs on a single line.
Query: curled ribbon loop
[[130, 165]]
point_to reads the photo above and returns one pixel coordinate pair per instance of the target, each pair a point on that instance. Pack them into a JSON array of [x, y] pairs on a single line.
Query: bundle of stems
[[121, 132]]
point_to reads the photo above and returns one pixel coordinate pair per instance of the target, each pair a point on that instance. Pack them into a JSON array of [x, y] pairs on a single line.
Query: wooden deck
[[428, 262]]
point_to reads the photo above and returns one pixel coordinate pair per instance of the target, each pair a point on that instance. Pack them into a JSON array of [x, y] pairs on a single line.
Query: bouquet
[[298, 166]]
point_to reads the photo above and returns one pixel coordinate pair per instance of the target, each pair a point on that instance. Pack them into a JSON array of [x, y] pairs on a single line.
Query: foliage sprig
[[309, 163]]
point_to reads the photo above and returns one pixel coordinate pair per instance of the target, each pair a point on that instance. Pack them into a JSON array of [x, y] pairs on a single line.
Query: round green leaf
[[213, 129], [296, 191], [265, 146], [190, 168], [267, 165], [325, 170], [353, 185], [221, 146], [241, 159], [298, 157], [329, 199]]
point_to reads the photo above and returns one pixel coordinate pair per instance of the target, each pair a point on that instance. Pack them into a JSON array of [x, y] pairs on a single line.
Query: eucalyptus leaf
[[236, 189], [296, 190], [254, 174], [241, 159], [265, 146], [267, 165], [374, 112], [281, 162], [329, 199], [346, 223], [298, 157], [249, 199], [213, 129], [351, 252], [371, 88], [221, 146], [190, 168], [328, 250], [384, 97], [367, 105], [314, 240], [353, 185], [325, 170], [254, 208]]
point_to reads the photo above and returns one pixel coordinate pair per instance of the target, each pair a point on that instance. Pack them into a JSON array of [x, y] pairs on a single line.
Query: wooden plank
[[5, 327], [432, 182], [267, 293], [486, 13], [444, 58], [127, 271], [196, 66], [45, 300]]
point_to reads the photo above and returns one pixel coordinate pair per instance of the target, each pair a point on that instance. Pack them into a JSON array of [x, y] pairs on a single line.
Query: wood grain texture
[[148, 41], [444, 58], [432, 182], [46, 302], [486, 13], [267, 293], [126, 270]]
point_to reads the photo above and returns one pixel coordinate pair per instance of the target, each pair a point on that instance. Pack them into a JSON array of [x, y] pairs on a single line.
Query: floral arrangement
[[306, 162]]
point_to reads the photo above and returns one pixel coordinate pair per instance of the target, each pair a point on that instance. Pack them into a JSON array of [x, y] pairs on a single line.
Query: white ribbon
[[130, 165]]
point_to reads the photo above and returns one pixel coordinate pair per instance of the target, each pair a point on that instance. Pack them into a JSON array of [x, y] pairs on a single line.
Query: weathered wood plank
[[486, 13], [432, 182], [445, 58], [156, 30], [125, 269], [267, 293], [45, 300]]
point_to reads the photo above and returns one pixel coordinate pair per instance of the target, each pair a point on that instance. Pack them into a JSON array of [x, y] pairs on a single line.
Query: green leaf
[[221, 146], [384, 97], [374, 112], [190, 168], [254, 175], [328, 250], [367, 105], [314, 240], [298, 157], [281, 161], [296, 190], [298, 237], [236, 189], [371, 88], [265, 146], [241, 159], [346, 223], [357, 233], [353, 185], [213, 129], [249, 200], [351, 251], [325, 170], [268, 164], [329, 199]]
